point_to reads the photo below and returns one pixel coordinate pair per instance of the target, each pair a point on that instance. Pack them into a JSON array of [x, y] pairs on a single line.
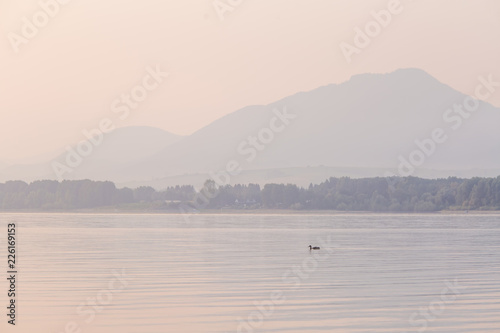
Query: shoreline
[[112, 211]]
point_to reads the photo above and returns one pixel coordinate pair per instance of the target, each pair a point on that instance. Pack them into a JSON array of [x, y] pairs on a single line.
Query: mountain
[[3, 165], [371, 122], [367, 122], [127, 144], [119, 148], [303, 177]]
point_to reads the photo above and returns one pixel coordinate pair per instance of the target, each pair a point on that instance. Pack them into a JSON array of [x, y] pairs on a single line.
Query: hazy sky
[[65, 78]]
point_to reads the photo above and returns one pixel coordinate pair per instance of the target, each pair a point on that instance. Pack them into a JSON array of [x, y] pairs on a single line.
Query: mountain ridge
[[368, 122]]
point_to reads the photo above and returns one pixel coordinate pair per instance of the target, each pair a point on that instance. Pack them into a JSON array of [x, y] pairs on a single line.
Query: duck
[[314, 248]]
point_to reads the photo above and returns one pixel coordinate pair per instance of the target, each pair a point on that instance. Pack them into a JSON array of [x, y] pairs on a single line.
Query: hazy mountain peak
[[369, 121]]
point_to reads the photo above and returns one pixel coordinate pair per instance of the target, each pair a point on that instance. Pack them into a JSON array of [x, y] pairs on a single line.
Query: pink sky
[[66, 77]]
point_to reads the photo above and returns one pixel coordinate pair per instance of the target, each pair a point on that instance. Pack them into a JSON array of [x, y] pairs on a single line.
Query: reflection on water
[[255, 273]]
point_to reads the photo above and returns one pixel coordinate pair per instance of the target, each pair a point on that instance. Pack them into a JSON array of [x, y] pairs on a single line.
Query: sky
[[66, 76]]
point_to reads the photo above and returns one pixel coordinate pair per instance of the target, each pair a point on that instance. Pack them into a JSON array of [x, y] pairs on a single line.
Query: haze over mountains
[[119, 148], [359, 128]]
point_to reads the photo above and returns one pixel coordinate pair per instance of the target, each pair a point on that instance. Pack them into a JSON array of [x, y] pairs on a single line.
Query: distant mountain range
[[122, 147], [361, 127]]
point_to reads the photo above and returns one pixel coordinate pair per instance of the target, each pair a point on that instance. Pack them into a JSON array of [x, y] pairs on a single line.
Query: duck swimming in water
[[313, 248]]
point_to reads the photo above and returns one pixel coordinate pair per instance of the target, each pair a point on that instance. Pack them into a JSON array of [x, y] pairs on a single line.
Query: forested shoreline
[[408, 194]]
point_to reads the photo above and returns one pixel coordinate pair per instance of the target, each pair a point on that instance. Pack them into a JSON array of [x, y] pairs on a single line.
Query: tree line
[[82, 194], [409, 194]]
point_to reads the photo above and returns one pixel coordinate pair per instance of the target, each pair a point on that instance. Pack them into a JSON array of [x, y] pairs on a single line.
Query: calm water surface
[[255, 273]]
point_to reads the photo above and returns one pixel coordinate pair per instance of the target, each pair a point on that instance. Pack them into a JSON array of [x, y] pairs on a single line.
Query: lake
[[140, 273]]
